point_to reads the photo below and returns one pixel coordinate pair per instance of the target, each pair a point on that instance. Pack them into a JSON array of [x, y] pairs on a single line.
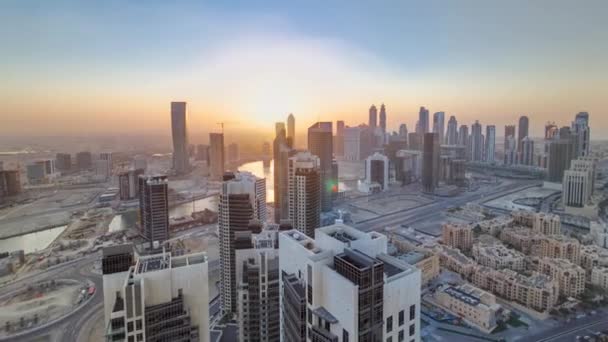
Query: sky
[[113, 67]]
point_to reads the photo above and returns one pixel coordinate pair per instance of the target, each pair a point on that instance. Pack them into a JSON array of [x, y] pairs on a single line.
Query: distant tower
[[509, 132], [522, 132], [216, 155], [281, 152], [242, 199], [527, 151], [339, 139], [403, 130], [476, 142], [430, 162], [373, 116], [423, 120], [383, 118], [581, 128], [320, 143], [490, 143], [439, 125], [179, 130], [452, 133], [291, 129], [154, 207], [305, 192]]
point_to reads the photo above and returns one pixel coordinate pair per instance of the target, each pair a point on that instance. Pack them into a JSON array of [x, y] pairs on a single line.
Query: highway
[[568, 332]]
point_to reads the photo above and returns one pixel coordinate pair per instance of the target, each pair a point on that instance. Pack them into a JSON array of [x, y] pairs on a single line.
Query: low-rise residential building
[[599, 277], [426, 261], [455, 261], [521, 238], [498, 256], [547, 224], [523, 217], [476, 306], [538, 291], [599, 233], [560, 247], [593, 256], [570, 277], [457, 236], [496, 225]]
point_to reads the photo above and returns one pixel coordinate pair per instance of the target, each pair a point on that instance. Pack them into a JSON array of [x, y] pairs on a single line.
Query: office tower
[[560, 153], [490, 143], [522, 131], [476, 142], [342, 286], [403, 130], [383, 118], [217, 160], [320, 144], [291, 130], [154, 207], [423, 120], [179, 132], [578, 183], [409, 166], [108, 164], [452, 133], [63, 161], [258, 290], [439, 126], [84, 161], [373, 117], [233, 153], [551, 130], [305, 192], [128, 184], [161, 298], [415, 140], [581, 128], [527, 152], [242, 199], [281, 152], [357, 143], [463, 135], [280, 127], [509, 132], [339, 139], [430, 164], [376, 170]]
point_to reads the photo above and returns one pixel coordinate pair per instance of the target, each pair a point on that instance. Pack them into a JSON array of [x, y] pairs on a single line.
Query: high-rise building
[[383, 118], [463, 135], [84, 161], [561, 151], [578, 183], [320, 143], [476, 142], [373, 117], [305, 192], [281, 153], [159, 298], [551, 130], [242, 199], [339, 139], [128, 184], [179, 132], [522, 131], [217, 160], [423, 120], [430, 164], [439, 126], [291, 130], [527, 152], [376, 170], [403, 130], [108, 164], [357, 143], [510, 151], [581, 128], [342, 286], [415, 141], [258, 290], [509, 132], [490, 143], [452, 133], [63, 161], [154, 207]]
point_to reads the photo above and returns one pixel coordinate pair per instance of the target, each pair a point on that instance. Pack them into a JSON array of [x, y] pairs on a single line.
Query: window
[[138, 325], [344, 335], [140, 337], [131, 339], [390, 339], [401, 336], [130, 326], [413, 312], [401, 318], [389, 324], [412, 329]]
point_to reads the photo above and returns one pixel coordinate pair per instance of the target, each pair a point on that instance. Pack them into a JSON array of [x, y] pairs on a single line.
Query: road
[[568, 332], [425, 212]]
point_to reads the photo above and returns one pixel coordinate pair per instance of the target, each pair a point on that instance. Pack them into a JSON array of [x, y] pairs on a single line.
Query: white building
[[578, 184], [322, 282], [490, 144], [580, 126], [376, 174], [304, 192], [527, 152], [599, 233], [162, 297]]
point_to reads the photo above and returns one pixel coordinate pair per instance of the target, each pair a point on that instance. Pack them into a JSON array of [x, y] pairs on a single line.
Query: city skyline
[[76, 74]]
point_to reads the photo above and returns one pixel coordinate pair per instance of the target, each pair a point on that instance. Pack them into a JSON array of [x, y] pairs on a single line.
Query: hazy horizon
[[103, 68]]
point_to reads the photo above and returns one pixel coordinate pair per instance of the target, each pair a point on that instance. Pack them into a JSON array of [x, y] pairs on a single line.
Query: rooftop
[[462, 296]]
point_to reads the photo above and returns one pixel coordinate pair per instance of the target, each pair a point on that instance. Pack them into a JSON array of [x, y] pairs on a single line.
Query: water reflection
[[258, 169], [31, 242]]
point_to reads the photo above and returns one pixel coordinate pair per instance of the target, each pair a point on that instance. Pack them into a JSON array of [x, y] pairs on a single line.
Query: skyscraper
[[578, 183], [476, 142], [154, 207], [522, 132], [403, 130], [242, 199], [581, 128], [452, 133], [551, 130], [320, 143], [291, 130], [305, 192], [490, 143], [179, 130], [463, 135], [561, 151], [128, 184], [217, 159], [430, 163], [423, 120], [339, 139], [439, 125], [84, 161], [509, 132], [527, 152], [373, 117], [281, 152], [376, 170], [160, 297], [383, 118]]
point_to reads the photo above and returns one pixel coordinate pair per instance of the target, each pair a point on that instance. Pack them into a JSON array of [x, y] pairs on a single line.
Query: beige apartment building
[[455, 261], [476, 306], [522, 239], [560, 247], [569, 276], [498, 256], [599, 277], [547, 224], [593, 256], [457, 236]]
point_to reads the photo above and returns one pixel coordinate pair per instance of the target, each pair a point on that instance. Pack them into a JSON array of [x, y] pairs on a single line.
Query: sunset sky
[[91, 67]]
